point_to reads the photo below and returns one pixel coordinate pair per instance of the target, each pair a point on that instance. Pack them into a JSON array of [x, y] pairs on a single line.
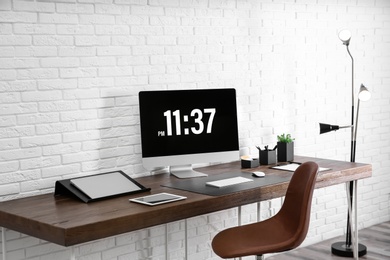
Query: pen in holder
[[267, 157]]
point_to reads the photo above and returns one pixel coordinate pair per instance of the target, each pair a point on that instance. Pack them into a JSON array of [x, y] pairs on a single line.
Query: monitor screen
[[184, 127]]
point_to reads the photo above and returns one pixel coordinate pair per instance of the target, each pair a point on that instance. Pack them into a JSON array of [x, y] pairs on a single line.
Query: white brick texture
[[71, 70]]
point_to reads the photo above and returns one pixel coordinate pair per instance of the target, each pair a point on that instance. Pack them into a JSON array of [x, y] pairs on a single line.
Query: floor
[[375, 238]]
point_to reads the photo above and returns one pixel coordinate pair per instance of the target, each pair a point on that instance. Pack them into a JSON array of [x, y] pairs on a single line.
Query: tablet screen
[[103, 185], [157, 199]]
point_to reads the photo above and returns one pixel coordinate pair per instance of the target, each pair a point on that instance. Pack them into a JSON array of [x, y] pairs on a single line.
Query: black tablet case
[[64, 187]]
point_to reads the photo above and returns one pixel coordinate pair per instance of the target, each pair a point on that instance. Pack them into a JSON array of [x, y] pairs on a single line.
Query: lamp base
[[341, 249]]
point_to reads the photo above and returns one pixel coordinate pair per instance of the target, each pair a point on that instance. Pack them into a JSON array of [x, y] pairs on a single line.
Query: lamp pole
[[345, 248], [348, 240]]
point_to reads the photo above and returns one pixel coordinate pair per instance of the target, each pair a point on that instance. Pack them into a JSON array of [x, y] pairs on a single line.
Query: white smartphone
[[157, 199]]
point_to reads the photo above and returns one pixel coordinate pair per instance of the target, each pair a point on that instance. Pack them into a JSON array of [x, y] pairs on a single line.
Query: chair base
[[341, 249]]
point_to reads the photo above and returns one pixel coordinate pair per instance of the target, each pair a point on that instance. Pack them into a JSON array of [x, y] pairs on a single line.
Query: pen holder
[[267, 157]]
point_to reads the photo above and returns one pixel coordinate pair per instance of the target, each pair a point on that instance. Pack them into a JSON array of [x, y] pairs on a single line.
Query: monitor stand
[[185, 171]]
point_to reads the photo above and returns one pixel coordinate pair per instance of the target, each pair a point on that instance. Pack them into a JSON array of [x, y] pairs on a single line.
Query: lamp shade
[[364, 94], [345, 36], [324, 128]]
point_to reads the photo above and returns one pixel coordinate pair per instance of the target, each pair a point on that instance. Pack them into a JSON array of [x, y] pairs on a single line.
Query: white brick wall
[[70, 72]]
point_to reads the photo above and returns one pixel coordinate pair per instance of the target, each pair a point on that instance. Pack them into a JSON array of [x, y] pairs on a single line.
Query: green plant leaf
[[285, 138]]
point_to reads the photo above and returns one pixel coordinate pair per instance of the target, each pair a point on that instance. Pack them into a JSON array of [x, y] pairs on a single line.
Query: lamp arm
[[353, 145], [353, 81], [356, 126], [346, 126]]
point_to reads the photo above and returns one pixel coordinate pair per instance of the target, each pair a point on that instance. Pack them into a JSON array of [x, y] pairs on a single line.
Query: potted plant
[[285, 148]]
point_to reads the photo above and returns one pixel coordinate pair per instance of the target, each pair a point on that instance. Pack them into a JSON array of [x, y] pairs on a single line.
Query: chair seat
[[268, 236]]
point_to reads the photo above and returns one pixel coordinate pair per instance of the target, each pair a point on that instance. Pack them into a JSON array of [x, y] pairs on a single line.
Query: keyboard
[[228, 182]]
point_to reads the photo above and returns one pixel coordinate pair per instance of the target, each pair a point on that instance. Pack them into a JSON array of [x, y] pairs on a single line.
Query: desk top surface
[[67, 221]]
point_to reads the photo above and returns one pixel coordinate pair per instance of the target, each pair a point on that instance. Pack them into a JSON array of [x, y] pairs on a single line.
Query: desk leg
[[72, 253], [186, 238], [166, 241], [3, 241], [356, 223], [239, 220]]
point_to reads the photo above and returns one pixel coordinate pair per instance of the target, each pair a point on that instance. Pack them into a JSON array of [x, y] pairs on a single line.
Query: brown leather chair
[[284, 231]]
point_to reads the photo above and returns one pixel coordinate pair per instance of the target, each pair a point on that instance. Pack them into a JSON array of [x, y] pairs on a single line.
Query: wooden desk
[[66, 221]]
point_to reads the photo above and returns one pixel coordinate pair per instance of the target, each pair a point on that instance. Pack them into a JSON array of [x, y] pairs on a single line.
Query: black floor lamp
[[346, 248]]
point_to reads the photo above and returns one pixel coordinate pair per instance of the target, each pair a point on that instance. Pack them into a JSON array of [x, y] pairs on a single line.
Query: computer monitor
[[180, 128]]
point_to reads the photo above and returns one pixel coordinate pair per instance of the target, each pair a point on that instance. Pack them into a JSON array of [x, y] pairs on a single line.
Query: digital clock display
[[196, 114], [188, 121]]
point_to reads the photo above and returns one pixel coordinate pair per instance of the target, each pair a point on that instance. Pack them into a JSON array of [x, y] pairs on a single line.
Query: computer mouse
[[258, 174]]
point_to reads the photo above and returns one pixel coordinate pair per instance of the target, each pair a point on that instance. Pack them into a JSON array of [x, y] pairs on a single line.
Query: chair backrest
[[295, 210]]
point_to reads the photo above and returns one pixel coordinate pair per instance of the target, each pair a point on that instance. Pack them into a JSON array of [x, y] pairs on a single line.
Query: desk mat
[[198, 185]]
